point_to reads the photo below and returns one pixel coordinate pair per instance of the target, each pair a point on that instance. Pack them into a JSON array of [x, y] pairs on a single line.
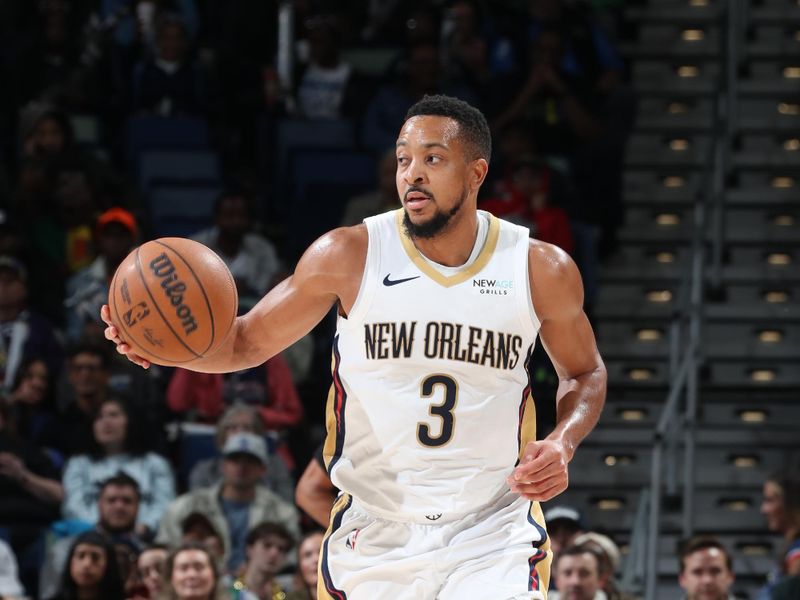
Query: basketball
[[173, 300]]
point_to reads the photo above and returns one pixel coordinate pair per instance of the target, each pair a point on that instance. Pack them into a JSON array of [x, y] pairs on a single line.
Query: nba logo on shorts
[[351, 539]]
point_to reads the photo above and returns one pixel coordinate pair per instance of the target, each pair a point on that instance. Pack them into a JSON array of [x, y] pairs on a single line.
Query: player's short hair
[[702, 542], [262, 530], [472, 125]]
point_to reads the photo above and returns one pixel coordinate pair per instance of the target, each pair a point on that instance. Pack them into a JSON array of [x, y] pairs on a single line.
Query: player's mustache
[[415, 188]]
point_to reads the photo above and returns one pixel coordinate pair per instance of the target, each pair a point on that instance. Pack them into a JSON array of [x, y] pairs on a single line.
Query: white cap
[[246, 443]]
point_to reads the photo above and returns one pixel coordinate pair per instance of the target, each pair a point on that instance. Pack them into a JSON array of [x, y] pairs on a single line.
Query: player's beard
[[437, 223]]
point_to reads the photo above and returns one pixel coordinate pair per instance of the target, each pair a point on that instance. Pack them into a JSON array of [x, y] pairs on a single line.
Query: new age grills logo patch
[[174, 288], [493, 287]]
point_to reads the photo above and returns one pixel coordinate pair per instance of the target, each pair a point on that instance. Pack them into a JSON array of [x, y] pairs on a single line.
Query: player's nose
[[415, 174]]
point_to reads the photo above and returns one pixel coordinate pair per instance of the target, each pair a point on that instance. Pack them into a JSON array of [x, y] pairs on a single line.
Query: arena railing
[[678, 420]]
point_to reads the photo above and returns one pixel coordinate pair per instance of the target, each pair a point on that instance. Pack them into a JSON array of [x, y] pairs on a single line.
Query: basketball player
[[430, 421]]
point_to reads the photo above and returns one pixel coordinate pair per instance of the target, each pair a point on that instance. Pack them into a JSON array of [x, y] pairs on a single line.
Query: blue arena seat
[[323, 182], [150, 132], [181, 210], [178, 167]]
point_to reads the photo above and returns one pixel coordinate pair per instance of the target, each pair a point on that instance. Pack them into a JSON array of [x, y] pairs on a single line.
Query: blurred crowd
[[117, 482]]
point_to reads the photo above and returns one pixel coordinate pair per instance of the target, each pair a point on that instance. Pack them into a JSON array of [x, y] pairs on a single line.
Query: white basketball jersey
[[430, 404]]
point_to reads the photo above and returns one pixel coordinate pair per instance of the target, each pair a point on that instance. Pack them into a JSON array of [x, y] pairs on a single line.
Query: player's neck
[[453, 246]]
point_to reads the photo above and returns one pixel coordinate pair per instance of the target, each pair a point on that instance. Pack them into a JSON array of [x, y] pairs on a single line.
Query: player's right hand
[[112, 334]]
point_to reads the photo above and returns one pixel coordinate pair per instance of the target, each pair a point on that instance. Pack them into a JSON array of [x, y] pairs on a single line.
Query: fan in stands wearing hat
[[564, 524], [87, 290], [236, 504]]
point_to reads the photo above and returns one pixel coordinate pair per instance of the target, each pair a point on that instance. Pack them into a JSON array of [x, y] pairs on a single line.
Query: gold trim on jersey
[[329, 448], [449, 280], [528, 429], [543, 566], [338, 507]]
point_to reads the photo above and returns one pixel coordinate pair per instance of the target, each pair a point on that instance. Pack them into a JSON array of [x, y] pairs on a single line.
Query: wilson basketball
[[173, 300]]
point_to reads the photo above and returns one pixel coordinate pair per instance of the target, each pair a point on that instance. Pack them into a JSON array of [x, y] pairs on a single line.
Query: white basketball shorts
[[501, 553]]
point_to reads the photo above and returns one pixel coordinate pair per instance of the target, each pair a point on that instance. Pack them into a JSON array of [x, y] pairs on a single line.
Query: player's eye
[[433, 160]]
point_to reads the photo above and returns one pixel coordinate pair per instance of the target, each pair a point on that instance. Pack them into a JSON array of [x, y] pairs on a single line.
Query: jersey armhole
[[527, 313], [366, 290]]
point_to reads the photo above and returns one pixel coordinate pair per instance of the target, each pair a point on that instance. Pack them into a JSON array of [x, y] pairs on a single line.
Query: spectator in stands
[[23, 332], [268, 388], [117, 508], [85, 389], [118, 445], [535, 197], [781, 507], [151, 564], [267, 546], [87, 290], [556, 103], [46, 132], [418, 74], [192, 574], [706, 570], [578, 575], [10, 585], [31, 402], [171, 82], [92, 572], [242, 418], [608, 553], [197, 527], [564, 524], [326, 87], [237, 503], [315, 492], [308, 549], [251, 258], [30, 490], [376, 201], [476, 54]]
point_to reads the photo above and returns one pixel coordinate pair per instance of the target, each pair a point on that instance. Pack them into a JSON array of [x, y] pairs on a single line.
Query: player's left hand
[[542, 472]]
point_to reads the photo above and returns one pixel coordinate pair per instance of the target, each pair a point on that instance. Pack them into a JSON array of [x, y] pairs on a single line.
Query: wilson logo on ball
[[174, 289]]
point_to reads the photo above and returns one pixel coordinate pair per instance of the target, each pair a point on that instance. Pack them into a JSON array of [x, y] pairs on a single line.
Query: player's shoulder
[[339, 251], [548, 261], [342, 243], [555, 282]]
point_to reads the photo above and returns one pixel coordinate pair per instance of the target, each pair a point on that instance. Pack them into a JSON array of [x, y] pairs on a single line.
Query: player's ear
[[478, 169]]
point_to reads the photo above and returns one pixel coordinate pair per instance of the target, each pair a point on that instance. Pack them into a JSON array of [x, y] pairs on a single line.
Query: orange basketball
[[173, 301]]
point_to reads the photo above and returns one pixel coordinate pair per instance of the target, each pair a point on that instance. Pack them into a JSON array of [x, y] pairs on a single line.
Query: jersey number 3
[[443, 410]]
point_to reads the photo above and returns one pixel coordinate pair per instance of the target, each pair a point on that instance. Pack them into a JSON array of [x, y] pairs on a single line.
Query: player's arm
[[330, 270], [315, 493], [557, 295]]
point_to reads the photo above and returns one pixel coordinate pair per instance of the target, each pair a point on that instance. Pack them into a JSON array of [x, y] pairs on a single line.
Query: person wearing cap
[[236, 504], [116, 235], [23, 332], [609, 555], [564, 524]]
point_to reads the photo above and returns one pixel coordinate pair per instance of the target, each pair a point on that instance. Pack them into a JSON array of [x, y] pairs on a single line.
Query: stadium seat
[[323, 182], [181, 210], [196, 167], [150, 132]]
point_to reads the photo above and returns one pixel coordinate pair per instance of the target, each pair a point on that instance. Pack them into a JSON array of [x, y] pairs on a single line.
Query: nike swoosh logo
[[388, 282]]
